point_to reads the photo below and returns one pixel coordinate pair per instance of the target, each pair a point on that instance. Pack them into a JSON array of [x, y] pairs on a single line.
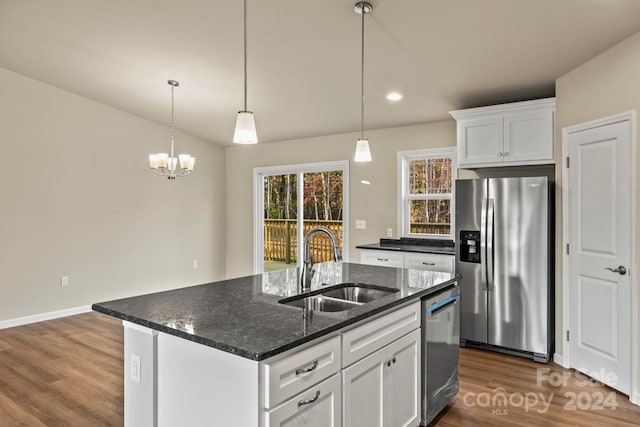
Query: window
[[425, 193], [292, 200]]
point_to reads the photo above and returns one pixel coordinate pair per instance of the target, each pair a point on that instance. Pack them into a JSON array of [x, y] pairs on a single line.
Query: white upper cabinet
[[514, 134]]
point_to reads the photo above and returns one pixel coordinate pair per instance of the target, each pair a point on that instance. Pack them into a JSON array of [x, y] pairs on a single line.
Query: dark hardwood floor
[[68, 372]]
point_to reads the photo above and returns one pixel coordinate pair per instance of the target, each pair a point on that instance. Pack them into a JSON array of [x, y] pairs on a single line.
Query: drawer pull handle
[[428, 263], [308, 401], [383, 259], [306, 370]]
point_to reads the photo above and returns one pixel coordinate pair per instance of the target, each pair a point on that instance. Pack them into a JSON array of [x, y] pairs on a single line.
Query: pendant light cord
[[245, 55], [362, 80], [172, 120]]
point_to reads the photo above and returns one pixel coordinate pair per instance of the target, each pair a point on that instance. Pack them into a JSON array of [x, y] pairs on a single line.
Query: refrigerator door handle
[[489, 234], [483, 245]]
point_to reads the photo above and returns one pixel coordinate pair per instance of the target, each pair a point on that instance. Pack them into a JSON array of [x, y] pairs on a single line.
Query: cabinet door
[[528, 137], [320, 406], [480, 141], [383, 258], [431, 262], [363, 388], [403, 391]]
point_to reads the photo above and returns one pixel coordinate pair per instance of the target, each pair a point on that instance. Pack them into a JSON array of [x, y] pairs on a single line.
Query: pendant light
[[245, 132], [363, 154], [167, 164]]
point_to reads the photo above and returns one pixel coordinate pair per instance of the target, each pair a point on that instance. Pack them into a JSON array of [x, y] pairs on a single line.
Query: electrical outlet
[[195, 263], [389, 232], [135, 368], [64, 281], [361, 224]]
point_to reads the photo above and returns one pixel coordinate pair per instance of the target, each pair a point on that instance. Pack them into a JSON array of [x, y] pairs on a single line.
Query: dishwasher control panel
[[470, 246]]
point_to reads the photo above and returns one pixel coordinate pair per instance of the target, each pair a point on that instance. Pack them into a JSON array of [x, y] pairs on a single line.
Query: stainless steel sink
[[321, 303], [338, 298], [359, 294]]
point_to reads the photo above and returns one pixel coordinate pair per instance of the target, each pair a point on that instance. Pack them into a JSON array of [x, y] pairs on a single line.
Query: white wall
[[606, 85], [77, 199], [375, 203]]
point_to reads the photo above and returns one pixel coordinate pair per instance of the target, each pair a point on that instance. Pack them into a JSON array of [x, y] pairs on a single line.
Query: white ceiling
[[304, 63]]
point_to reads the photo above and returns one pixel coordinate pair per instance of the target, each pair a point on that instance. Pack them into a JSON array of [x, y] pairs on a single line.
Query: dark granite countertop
[[425, 246], [242, 316]]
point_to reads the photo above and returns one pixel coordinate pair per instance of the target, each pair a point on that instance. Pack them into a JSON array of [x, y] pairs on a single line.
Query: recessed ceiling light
[[394, 96]]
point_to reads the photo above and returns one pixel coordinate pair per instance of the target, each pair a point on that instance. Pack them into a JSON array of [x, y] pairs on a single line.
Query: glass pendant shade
[[363, 154], [245, 132]]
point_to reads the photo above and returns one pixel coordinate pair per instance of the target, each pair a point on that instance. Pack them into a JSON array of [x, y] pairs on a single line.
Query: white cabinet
[[382, 258], [415, 260], [431, 262], [519, 133], [373, 335], [287, 376], [383, 389], [320, 406]]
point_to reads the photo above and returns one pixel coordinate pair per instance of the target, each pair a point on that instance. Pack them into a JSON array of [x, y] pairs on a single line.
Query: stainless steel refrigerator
[[504, 252]]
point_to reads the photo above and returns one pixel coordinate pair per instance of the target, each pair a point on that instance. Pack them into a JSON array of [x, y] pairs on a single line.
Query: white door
[[480, 141], [403, 397], [600, 227], [528, 137], [363, 388]]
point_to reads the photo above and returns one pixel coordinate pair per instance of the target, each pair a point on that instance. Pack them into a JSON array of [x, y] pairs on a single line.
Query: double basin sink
[[339, 297]]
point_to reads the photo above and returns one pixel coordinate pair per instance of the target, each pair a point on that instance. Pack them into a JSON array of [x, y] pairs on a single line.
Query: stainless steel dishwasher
[[440, 351]]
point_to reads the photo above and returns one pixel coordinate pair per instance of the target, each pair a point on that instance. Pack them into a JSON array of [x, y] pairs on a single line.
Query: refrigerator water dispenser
[[470, 246]]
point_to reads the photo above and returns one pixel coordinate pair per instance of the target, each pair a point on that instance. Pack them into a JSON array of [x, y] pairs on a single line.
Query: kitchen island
[[229, 353]]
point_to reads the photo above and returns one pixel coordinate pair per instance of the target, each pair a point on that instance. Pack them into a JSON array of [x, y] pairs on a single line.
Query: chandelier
[[167, 164]]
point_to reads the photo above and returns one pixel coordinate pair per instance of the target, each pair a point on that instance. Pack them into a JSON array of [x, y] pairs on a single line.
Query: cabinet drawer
[[372, 336], [383, 258], [319, 406], [432, 262], [290, 375]]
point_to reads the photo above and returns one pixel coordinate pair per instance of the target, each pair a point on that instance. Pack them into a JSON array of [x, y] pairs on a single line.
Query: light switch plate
[[361, 224], [389, 232]]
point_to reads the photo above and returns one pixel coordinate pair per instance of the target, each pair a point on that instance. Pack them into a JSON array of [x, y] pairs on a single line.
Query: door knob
[[620, 270]]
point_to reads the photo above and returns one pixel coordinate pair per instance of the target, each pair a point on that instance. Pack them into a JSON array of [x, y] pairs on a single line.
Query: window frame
[[404, 196], [296, 169]]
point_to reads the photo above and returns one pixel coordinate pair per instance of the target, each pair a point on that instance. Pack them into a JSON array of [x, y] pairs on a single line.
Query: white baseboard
[[557, 358], [635, 398], [10, 323]]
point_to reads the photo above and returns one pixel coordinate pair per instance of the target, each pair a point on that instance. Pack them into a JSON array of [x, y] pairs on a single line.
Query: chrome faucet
[[307, 266]]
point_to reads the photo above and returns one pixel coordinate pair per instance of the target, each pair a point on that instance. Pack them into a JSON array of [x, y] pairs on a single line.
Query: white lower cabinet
[[320, 406], [418, 261], [383, 389], [382, 258]]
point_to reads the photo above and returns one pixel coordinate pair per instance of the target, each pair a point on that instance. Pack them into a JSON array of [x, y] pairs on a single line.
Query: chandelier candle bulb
[[173, 162], [162, 159], [184, 160], [153, 161]]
